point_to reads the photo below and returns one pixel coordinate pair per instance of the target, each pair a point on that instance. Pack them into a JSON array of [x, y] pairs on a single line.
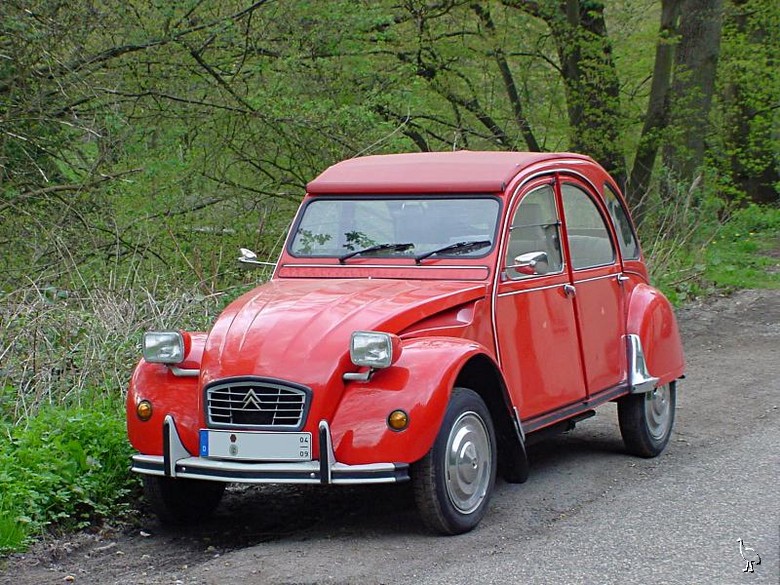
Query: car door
[[597, 291], [534, 316]]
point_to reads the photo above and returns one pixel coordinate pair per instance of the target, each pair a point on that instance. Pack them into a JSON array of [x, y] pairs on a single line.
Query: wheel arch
[[481, 374], [421, 383]]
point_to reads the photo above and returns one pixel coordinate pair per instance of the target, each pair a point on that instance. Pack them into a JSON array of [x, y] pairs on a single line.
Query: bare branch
[[509, 81], [77, 186]]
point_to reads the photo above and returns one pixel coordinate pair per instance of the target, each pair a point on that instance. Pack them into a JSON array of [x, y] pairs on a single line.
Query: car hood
[[299, 330]]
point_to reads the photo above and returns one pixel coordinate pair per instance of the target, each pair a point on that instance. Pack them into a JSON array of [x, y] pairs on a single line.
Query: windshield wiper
[[459, 248], [377, 248]]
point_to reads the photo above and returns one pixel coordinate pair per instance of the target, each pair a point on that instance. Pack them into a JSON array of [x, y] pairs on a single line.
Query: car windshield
[[383, 226]]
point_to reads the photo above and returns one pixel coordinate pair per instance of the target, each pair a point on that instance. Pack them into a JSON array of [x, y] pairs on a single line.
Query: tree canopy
[[144, 136]]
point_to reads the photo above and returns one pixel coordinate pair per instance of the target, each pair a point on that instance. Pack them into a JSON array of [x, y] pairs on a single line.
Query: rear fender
[[651, 317], [419, 383]]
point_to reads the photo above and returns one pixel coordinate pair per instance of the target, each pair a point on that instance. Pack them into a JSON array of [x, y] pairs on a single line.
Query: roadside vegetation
[[717, 256], [142, 143]]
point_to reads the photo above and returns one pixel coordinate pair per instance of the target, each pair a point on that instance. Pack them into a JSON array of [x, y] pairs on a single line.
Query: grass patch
[[746, 252], [66, 468], [704, 258]]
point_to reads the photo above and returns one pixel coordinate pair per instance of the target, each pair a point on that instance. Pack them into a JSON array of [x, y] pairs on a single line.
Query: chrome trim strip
[[389, 266], [183, 372], [177, 462], [306, 472], [614, 262], [256, 262], [595, 278], [640, 380], [527, 290], [544, 420], [635, 273]]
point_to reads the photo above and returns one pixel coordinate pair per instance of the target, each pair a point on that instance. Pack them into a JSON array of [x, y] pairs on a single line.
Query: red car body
[[541, 341]]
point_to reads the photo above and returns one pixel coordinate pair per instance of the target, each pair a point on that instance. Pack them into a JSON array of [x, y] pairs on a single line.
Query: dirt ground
[[274, 534]]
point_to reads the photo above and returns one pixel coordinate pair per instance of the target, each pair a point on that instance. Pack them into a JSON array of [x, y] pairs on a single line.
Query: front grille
[[256, 404]]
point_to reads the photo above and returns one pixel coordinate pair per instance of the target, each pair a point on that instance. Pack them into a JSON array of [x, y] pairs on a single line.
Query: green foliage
[[67, 467], [141, 144], [746, 252], [746, 144], [67, 354], [691, 256]]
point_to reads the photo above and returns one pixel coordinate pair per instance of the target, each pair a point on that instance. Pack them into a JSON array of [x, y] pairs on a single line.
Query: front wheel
[[182, 501], [646, 420], [453, 482]]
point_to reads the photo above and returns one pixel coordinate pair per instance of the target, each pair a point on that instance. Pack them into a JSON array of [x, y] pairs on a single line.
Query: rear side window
[[629, 246], [589, 241]]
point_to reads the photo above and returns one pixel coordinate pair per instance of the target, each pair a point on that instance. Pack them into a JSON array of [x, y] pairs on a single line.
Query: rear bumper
[[176, 461]]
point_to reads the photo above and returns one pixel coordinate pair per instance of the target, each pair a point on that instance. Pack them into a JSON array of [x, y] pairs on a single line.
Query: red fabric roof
[[428, 172]]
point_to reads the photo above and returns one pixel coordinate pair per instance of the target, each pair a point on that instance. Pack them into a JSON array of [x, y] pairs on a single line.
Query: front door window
[[535, 236]]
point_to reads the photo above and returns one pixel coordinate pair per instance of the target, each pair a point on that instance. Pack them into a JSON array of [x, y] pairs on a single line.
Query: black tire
[[646, 420], [182, 501], [453, 482]]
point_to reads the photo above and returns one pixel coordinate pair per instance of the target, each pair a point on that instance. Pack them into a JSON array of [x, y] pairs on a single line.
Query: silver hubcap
[[468, 464], [658, 412]]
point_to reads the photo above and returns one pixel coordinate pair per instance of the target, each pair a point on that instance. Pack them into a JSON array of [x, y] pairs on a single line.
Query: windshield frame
[[310, 199]]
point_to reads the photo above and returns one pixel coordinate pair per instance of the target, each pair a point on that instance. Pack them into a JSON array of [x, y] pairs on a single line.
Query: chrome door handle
[[622, 278], [569, 290]]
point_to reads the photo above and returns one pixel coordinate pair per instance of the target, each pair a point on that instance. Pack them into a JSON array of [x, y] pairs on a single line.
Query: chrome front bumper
[[176, 461]]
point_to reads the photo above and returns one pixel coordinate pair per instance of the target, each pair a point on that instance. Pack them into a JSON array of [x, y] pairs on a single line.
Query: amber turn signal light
[[144, 410], [398, 420]]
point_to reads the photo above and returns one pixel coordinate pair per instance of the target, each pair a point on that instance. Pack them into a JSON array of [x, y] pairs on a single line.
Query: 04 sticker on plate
[[256, 446]]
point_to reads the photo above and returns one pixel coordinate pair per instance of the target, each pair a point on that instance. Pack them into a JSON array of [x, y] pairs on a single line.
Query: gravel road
[[588, 514]]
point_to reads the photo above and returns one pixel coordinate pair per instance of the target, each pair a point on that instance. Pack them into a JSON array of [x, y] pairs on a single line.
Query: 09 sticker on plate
[[255, 446]]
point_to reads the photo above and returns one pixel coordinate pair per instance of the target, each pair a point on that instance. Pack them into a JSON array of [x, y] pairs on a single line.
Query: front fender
[[169, 394], [420, 383], [651, 317]]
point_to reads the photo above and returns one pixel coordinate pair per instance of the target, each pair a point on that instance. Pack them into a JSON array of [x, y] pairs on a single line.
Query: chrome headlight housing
[[164, 347], [374, 349]]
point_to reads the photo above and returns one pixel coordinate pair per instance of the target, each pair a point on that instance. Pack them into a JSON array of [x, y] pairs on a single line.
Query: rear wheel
[[646, 420], [182, 501], [453, 482]]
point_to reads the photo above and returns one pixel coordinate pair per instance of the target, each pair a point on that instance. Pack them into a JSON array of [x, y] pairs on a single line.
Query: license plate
[[258, 446]]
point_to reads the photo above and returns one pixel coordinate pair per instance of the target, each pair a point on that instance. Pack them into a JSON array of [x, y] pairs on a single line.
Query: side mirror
[[531, 263], [249, 257]]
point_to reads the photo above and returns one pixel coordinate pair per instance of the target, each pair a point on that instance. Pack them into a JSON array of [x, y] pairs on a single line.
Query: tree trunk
[[696, 62], [589, 76], [748, 98], [657, 115]]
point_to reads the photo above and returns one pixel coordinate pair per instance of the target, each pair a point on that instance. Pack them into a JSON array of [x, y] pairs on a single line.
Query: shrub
[[67, 467], [66, 355]]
